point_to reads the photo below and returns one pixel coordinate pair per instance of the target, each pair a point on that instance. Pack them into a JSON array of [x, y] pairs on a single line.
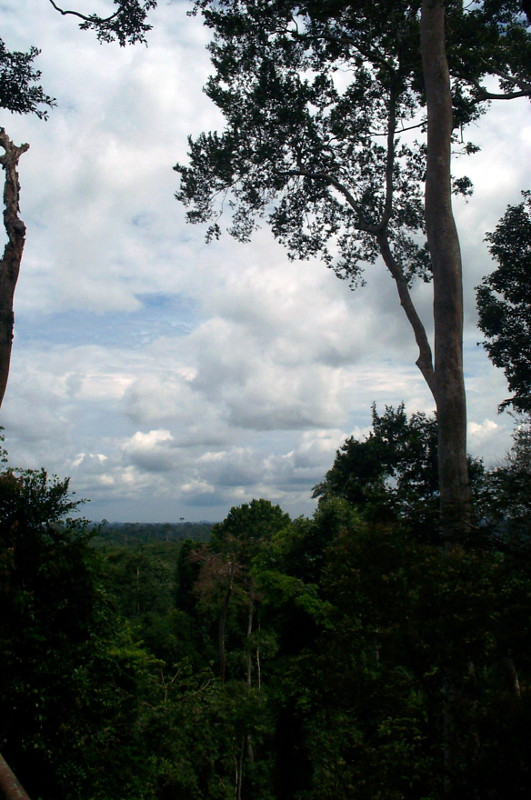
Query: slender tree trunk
[[12, 257], [443, 240], [258, 666], [513, 675], [239, 772], [222, 624], [250, 620], [250, 616]]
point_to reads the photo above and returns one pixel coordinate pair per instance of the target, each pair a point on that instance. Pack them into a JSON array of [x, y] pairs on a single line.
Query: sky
[[174, 379]]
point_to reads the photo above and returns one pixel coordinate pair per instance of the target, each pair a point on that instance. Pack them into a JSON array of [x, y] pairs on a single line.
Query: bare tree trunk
[[239, 772], [250, 616], [12, 257], [443, 240], [223, 623], [513, 674], [10, 788], [258, 666]]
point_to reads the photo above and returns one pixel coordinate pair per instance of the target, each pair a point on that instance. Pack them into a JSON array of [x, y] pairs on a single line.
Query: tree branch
[[402, 129], [91, 18], [371, 55], [389, 160], [342, 189], [485, 95], [425, 360]]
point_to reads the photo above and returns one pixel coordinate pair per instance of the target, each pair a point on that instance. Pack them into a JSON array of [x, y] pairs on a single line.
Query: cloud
[[151, 452]]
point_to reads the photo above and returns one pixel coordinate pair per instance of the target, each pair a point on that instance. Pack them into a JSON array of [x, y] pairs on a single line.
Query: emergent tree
[[321, 101]]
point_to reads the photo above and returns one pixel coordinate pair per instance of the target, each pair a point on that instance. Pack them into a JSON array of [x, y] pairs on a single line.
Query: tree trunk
[[10, 788], [10, 263], [222, 624], [443, 241], [250, 616]]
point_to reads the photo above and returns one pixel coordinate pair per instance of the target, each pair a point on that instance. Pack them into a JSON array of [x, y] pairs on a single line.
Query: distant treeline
[[123, 533]]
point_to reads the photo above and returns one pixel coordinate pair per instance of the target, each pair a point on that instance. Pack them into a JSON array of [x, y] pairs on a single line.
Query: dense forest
[[143, 532], [347, 655]]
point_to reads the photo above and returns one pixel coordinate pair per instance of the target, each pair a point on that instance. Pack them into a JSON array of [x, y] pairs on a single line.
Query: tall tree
[[504, 303], [320, 101]]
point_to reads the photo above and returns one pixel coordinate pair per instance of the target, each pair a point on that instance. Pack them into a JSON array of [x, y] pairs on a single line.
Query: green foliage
[[69, 668], [392, 474], [399, 694], [504, 303], [20, 92], [506, 500], [186, 574], [142, 581], [247, 528], [127, 25]]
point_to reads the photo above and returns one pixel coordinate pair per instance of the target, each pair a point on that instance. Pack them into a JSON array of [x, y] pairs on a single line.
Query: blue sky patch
[[160, 315]]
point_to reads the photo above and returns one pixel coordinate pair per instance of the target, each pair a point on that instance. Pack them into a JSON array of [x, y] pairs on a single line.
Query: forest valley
[[349, 655]]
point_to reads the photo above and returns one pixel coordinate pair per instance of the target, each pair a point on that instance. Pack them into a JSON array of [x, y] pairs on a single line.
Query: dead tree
[[12, 257]]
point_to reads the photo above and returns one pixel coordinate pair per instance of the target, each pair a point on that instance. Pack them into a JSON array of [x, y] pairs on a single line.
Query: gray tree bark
[[443, 240]]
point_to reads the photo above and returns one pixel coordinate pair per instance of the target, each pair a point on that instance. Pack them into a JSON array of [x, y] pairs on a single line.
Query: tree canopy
[[504, 303], [320, 100], [392, 473]]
